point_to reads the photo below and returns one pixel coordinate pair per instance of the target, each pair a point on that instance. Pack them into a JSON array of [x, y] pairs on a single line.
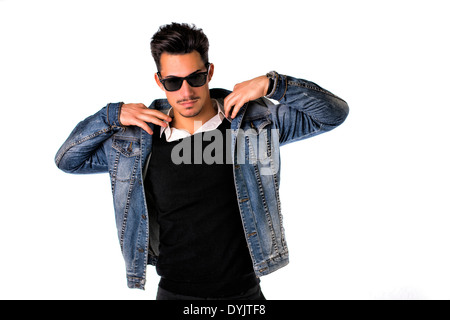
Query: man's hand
[[245, 92], [137, 114]]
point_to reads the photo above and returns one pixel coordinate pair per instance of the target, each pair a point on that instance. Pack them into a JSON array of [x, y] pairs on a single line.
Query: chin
[[190, 113]]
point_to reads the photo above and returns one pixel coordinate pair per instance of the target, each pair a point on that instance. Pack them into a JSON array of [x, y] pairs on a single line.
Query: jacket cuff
[[113, 114], [136, 283], [279, 86]]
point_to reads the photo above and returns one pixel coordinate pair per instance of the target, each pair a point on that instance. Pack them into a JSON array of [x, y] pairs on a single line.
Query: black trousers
[[254, 293]]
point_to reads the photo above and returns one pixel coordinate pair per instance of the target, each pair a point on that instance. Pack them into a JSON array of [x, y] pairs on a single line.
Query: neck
[[191, 124]]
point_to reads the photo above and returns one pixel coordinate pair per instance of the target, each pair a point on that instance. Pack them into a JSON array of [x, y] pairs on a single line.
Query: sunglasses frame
[[163, 81]]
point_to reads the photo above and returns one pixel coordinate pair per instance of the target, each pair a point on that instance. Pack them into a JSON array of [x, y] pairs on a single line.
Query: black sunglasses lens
[[194, 80], [197, 80], [173, 84]]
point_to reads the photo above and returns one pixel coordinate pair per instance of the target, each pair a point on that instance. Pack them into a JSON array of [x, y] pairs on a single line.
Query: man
[[195, 177]]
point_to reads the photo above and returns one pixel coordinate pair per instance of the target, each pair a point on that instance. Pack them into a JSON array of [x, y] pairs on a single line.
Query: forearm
[[305, 109], [83, 152]]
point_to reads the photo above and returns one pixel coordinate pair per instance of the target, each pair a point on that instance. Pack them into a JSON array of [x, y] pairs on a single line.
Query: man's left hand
[[245, 92]]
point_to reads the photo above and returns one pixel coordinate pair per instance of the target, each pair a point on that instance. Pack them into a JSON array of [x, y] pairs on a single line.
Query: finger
[[228, 110], [144, 113], [146, 117], [237, 101], [160, 115], [145, 127], [230, 101], [236, 109], [226, 105], [158, 122]]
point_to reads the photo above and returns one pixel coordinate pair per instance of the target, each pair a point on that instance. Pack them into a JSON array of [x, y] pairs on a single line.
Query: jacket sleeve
[[83, 151], [305, 109]]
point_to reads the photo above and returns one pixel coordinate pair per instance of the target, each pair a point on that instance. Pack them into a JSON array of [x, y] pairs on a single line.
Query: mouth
[[188, 103]]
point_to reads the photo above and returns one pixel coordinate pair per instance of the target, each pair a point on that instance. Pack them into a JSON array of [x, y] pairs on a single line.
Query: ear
[[211, 72], [159, 82]]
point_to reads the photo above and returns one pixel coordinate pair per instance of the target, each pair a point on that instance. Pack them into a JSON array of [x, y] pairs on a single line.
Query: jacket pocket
[[127, 146], [126, 154], [258, 133]]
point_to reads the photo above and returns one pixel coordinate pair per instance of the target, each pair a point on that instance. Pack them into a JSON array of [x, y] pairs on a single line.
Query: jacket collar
[[214, 122], [254, 110]]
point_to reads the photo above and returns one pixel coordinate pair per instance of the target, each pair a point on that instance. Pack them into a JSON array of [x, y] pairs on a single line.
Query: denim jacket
[[101, 144]]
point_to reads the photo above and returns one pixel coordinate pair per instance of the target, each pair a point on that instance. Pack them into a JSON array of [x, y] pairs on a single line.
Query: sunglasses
[[196, 79]]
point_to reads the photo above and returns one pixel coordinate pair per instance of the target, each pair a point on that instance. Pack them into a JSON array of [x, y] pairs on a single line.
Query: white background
[[366, 206]]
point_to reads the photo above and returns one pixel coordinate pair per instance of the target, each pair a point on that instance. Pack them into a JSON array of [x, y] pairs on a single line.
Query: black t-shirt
[[203, 250]]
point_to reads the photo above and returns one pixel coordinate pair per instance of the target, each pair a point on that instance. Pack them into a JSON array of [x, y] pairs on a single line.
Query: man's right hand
[[137, 114]]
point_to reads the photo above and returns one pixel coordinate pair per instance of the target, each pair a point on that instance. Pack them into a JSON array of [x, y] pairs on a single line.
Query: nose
[[186, 89]]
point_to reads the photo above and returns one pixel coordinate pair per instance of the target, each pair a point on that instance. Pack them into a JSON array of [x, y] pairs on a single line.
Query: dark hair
[[179, 38]]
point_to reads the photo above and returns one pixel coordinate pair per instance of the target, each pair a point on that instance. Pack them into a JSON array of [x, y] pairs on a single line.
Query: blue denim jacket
[[101, 144]]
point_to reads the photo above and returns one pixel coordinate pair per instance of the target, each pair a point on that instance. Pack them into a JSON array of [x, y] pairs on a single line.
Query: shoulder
[[258, 108], [160, 104]]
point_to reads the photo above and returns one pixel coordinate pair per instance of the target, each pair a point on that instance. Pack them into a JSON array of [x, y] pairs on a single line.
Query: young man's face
[[187, 101]]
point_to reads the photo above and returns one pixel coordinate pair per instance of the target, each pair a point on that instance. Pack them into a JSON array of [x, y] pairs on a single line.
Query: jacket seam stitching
[[127, 206], [285, 88], [312, 87], [263, 198], [96, 134]]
